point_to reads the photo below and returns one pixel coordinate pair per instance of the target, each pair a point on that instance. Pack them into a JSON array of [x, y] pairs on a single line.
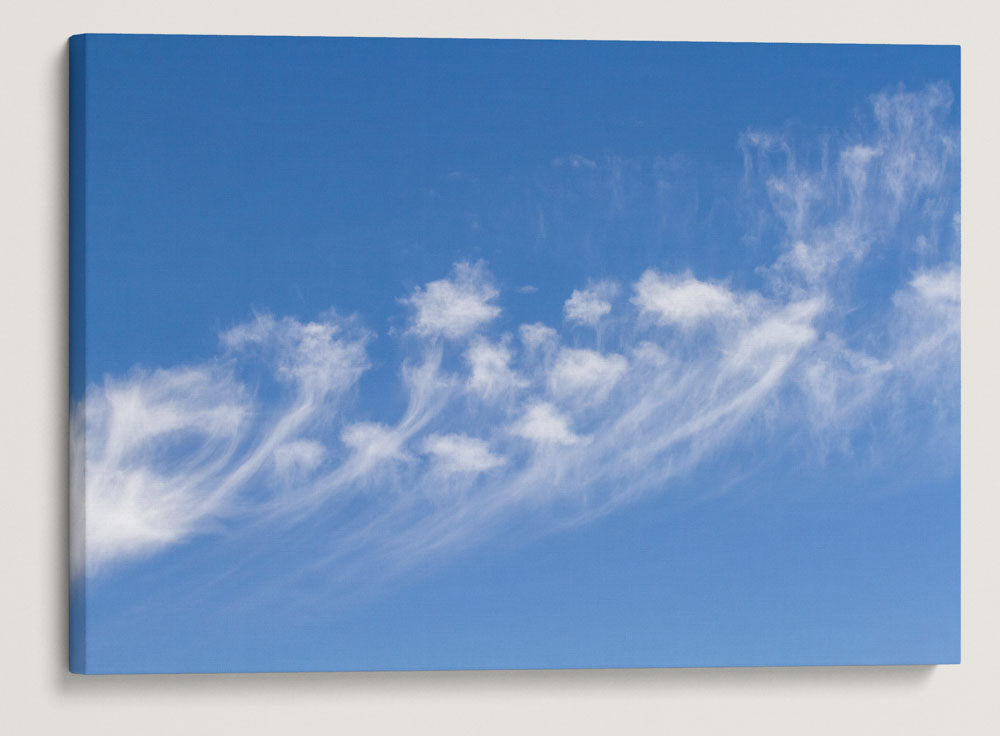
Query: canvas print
[[395, 354]]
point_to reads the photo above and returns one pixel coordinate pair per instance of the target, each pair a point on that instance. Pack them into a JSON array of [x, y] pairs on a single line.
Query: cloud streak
[[532, 420]]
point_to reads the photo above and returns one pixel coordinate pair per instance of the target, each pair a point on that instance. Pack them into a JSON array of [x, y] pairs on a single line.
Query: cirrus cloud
[[454, 307], [593, 418]]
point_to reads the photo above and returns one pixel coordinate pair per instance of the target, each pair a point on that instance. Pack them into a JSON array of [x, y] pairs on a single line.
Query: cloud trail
[[532, 421]]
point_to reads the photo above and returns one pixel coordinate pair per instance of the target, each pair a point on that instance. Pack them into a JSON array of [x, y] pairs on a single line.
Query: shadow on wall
[[59, 337], [512, 682]]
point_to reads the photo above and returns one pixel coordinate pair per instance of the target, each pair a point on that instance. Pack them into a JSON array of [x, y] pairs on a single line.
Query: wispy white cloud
[[575, 161], [544, 424], [833, 215], [496, 423], [683, 300], [537, 335], [457, 306], [373, 444], [838, 381], [312, 355], [168, 452], [138, 497], [940, 288], [926, 324], [491, 374], [459, 453], [585, 374], [298, 456], [588, 306]]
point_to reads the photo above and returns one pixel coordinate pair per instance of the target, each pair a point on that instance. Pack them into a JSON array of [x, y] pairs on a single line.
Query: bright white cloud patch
[[543, 424], [588, 306], [142, 492], [373, 443], [168, 452], [784, 332], [457, 306], [537, 335], [313, 355], [682, 300], [491, 372], [941, 287], [585, 373], [459, 453]]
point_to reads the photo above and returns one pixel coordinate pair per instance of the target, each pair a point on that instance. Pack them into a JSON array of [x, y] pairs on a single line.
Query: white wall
[[38, 696]]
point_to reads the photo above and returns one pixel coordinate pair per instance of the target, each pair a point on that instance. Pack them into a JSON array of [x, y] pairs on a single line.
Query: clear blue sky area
[[772, 227]]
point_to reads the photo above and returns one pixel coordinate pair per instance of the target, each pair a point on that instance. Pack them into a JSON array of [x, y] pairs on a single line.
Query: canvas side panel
[[77, 338]]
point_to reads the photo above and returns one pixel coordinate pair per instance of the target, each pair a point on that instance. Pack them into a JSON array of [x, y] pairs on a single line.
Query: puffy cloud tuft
[[683, 301], [459, 453], [543, 424], [585, 374], [454, 307], [588, 306]]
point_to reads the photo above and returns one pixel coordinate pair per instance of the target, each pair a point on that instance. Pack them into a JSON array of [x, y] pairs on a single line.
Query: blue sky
[[408, 354]]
